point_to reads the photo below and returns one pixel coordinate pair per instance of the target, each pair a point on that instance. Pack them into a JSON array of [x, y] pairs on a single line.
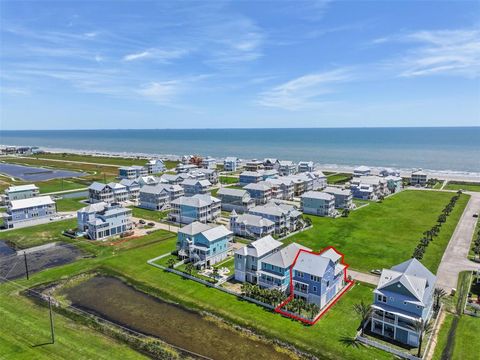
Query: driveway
[[455, 259]]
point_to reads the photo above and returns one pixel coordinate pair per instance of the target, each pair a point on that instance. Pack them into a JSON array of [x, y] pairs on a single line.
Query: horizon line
[[256, 128]]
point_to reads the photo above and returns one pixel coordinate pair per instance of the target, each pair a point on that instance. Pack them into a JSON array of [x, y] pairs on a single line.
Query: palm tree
[[422, 328], [438, 293], [171, 263], [215, 272], [364, 311], [345, 212], [189, 268]]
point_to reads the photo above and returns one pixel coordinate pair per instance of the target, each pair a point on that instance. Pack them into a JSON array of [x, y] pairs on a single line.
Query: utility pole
[[26, 264], [52, 328]]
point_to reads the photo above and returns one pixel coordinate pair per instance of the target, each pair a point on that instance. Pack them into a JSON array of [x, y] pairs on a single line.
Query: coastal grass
[[228, 180], [119, 161], [70, 204], [384, 234], [55, 185], [149, 214], [457, 185], [25, 329], [339, 178], [26, 237]]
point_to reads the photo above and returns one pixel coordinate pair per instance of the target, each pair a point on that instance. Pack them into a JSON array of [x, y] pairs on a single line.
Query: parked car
[[151, 224], [376, 271], [141, 221], [475, 215]]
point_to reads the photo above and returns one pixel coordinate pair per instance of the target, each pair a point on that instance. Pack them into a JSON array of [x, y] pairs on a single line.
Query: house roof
[[413, 276], [31, 202], [269, 160], [419, 172], [361, 168], [253, 220], [231, 159], [285, 257], [193, 182], [194, 228], [337, 191], [97, 186], [197, 200], [260, 247], [19, 188], [116, 186], [313, 264], [332, 254], [129, 182], [96, 207], [286, 163], [251, 173], [309, 163], [318, 195], [232, 192], [257, 186], [216, 233]]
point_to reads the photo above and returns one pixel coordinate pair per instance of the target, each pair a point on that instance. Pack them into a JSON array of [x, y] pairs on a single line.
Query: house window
[[404, 303], [381, 298], [314, 289]]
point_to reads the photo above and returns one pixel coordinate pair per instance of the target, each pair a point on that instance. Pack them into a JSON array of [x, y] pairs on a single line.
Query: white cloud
[[161, 55], [137, 56], [160, 92], [304, 91]]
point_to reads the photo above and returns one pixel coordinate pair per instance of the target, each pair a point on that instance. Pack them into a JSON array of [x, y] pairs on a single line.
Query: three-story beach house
[[201, 207], [235, 199], [250, 226], [318, 203]]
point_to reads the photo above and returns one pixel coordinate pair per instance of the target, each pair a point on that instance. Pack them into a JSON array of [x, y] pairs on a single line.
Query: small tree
[[171, 263], [345, 212], [422, 328], [364, 311], [215, 272], [438, 293], [189, 268]]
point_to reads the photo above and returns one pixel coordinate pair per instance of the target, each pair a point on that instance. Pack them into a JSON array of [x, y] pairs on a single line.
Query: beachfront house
[[248, 177], [201, 207], [394, 183], [147, 180], [250, 226], [208, 174], [209, 163], [159, 197], [133, 188], [254, 165], [369, 187], [203, 244], [269, 174], [248, 258], [231, 163], [305, 166], [30, 211], [102, 220], [20, 192], [260, 192], [318, 278], [418, 178], [318, 177], [270, 164], [343, 197], [235, 199], [286, 167], [155, 166], [388, 172], [403, 297], [274, 271], [318, 203], [361, 171], [132, 172], [193, 186], [286, 217], [184, 168], [282, 188]]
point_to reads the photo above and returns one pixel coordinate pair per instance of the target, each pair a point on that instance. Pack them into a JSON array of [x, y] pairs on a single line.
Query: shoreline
[[450, 175]]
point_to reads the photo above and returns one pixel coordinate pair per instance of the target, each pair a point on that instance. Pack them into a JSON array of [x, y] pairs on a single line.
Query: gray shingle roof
[[285, 257], [318, 195], [313, 264]]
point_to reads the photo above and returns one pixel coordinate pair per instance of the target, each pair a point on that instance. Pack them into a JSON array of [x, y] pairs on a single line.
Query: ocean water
[[448, 149]]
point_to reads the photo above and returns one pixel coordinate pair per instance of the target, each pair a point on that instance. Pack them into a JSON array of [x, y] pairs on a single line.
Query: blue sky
[[220, 64]]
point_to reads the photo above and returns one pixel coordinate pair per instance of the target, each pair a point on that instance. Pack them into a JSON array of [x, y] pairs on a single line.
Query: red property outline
[[336, 298]]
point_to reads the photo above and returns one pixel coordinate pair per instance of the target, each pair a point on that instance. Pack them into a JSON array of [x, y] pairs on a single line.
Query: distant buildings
[[369, 187], [203, 208], [155, 166], [133, 188], [209, 163], [286, 217], [159, 197], [318, 203], [238, 200], [29, 211], [361, 171], [260, 192], [305, 166], [343, 197], [404, 296], [389, 172], [418, 178], [248, 177], [109, 193], [132, 172], [286, 167], [231, 163], [394, 183], [204, 245], [250, 226], [282, 188], [193, 186], [21, 192], [254, 165], [208, 174], [102, 220]]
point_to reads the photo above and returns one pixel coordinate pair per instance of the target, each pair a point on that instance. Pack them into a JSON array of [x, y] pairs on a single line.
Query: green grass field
[[92, 159], [340, 178], [40, 234], [384, 234], [452, 185], [149, 214], [70, 204], [228, 180]]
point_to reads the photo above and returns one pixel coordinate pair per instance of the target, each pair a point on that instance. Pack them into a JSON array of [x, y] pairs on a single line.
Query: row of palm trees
[[302, 308], [268, 296], [429, 235]]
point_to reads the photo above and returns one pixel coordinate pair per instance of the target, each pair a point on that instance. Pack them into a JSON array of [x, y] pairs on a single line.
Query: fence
[[386, 348]]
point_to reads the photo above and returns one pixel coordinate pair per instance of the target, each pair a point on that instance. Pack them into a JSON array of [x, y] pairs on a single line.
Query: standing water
[[120, 303]]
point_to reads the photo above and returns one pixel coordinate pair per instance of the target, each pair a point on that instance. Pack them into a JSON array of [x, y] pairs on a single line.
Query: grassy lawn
[[384, 234], [92, 159], [453, 185], [25, 329], [37, 235], [149, 214], [228, 180], [60, 185], [340, 178], [70, 204]]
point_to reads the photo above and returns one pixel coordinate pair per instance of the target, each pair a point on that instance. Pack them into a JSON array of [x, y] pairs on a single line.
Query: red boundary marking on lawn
[[337, 296]]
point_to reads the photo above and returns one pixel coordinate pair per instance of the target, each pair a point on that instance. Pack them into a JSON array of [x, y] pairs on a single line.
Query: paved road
[[455, 259], [158, 226], [363, 277]]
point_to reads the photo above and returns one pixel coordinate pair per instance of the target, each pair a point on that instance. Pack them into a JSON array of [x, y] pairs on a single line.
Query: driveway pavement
[[455, 259]]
